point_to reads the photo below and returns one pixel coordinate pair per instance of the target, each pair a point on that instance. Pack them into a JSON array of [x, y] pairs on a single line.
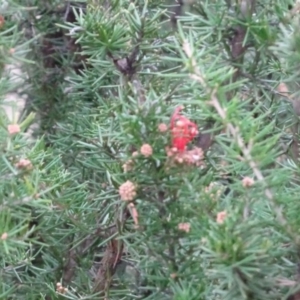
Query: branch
[[235, 132], [177, 12], [128, 66], [110, 259]]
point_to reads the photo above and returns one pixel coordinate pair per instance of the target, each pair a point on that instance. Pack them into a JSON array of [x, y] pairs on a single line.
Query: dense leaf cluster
[[102, 78]]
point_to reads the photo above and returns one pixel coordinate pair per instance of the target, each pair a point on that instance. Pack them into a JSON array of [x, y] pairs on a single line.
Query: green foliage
[[102, 76]]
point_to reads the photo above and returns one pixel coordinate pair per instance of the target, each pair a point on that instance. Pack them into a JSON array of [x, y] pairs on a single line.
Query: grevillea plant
[[124, 194]]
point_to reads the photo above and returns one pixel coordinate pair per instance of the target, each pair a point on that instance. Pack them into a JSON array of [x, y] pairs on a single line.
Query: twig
[[128, 66], [177, 12], [9, 203], [111, 257], [80, 250], [70, 266]]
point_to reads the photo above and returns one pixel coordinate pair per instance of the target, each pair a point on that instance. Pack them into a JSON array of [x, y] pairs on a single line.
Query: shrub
[[165, 164]]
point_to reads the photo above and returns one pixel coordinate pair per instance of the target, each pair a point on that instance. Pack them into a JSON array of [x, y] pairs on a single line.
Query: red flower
[[182, 129]]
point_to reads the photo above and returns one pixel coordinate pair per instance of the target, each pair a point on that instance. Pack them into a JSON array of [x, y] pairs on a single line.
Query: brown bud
[[2, 21]]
